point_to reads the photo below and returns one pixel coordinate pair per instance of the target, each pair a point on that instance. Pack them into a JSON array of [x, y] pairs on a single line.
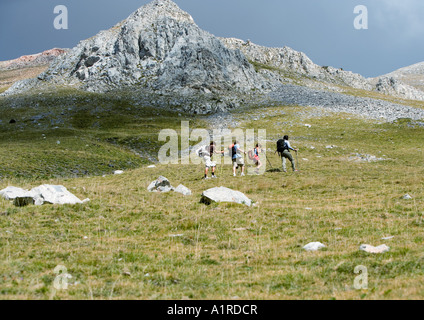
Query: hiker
[[256, 159], [237, 158], [207, 153], [283, 149]]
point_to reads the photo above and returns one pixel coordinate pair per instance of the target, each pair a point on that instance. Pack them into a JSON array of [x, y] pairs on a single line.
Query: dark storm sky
[[323, 29]]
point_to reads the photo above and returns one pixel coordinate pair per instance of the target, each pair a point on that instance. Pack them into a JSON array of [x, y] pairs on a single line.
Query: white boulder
[[10, 193], [161, 184], [43, 194], [223, 194], [55, 194], [313, 246], [183, 190], [371, 249]]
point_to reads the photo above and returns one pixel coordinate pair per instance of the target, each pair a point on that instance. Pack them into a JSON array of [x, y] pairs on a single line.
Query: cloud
[[405, 16]]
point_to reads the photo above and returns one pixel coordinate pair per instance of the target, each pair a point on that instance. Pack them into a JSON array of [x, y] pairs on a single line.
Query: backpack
[[281, 146], [232, 150], [202, 151]]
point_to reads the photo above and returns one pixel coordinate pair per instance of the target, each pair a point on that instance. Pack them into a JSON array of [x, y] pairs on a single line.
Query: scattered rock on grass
[[10, 193], [223, 194], [183, 190], [371, 249], [161, 184], [407, 197], [40, 195], [387, 238], [176, 235], [313, 246], [365, 158], [118, 172], [55, 194]]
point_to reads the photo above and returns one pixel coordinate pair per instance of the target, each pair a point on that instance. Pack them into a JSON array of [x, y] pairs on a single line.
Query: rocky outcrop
[[392, 87], [284, 64], [289, 63], [412, 75], [162, 58], [33, 60], [158, 49]]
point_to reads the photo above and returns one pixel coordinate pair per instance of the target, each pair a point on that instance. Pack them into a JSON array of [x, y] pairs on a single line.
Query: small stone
[[313, 246], [387, 238], [407, 197], [118, 172], [371, 249], [183, 190]]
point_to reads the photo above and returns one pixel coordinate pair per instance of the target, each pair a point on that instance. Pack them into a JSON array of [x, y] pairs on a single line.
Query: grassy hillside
[[127, 243], [8, 77]]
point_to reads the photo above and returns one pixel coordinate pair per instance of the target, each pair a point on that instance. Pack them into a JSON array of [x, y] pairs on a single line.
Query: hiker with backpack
[[237, 158], [207, 152], [283, 149]]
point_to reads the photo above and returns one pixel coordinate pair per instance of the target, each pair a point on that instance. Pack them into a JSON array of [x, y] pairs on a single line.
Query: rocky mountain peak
[[159, 9], [157, 49]]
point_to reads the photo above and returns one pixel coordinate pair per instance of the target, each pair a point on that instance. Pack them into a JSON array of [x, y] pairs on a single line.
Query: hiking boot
[[242, 174], [206, 178], [214, 177]]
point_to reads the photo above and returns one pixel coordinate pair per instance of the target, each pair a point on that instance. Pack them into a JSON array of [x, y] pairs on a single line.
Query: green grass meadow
[[127, 243]]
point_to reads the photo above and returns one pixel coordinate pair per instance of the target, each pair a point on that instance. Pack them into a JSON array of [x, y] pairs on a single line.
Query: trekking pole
[[297, 162], [269, 162], [221, 165]]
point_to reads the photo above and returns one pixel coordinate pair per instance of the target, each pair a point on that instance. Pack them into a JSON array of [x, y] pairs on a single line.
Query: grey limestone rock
[[223, 194]]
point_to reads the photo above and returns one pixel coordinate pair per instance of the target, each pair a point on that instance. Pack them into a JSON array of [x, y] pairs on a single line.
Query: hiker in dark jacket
[[285, 154]]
